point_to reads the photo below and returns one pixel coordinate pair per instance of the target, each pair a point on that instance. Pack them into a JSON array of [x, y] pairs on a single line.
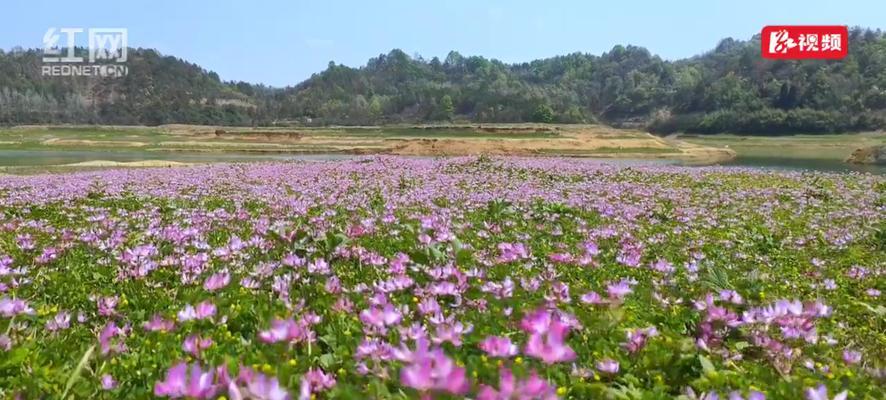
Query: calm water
[[777, 163], [38, 158]]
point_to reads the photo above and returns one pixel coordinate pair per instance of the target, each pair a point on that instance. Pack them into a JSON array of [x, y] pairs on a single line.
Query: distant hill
[[730, 88]]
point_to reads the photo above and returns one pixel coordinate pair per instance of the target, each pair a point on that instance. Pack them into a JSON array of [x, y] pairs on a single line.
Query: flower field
[[396, 278]]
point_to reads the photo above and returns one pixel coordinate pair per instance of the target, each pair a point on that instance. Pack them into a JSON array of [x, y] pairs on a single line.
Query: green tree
[[543, 113], [447, 109]]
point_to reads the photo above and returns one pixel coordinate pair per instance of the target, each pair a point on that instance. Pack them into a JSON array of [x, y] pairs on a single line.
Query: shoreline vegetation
[[178, 144], [592, 141]]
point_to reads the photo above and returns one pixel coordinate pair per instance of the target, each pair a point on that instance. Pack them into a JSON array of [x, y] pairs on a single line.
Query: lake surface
[[795, 164], [41, 158]]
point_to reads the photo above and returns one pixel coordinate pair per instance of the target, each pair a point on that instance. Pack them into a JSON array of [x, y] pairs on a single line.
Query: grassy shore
[[813, 147], [424, 140]]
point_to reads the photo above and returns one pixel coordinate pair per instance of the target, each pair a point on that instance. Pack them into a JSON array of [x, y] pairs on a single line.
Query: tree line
[[728, 89]]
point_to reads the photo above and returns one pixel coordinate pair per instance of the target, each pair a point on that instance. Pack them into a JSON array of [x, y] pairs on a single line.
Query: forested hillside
[[730, 88]]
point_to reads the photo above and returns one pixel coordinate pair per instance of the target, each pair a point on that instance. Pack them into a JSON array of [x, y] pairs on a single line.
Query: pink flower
[[203, 310], [319, 380], [194, 345], [428, 306], [512, 252], [5, 342], [288, 331], [106, 339], [637, 338], [106, 305], [538, 321], [404, 354], [157, 323], [662, 265], [188, 313], [434, 371], [198, 385], [509, 388], [547, 337], [217, 281], [497, 346], [379, 318], [592, 298], [451, 332], [258, 386], [619, 290]]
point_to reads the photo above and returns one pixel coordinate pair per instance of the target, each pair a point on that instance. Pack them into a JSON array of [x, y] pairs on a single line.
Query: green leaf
[[327, 360], [706, 364], [16, 356], [879, 310], [75, 375]]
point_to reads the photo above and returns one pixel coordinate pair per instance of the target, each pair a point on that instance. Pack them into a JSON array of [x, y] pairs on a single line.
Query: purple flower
[[106, 305], [662, 265], [5, 342], [851, 356], [108, 382], [619, 290], [512, 252], [217, 281], [731, 296], [607, 366], [497, 346], [821, 393], [157, 323], [188, 313], [752, 395], [205, 310], [318, 380], [106, 339], [637, 338], [592, 298], [13, 307], [61, 321]]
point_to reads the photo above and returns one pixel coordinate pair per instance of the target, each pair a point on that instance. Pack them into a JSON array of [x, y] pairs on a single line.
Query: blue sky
[[283, 42]]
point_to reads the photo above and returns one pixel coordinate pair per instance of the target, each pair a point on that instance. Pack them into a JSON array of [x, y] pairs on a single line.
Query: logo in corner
[[798, 42]]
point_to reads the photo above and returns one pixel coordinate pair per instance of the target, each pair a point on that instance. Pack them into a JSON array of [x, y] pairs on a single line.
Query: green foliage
[[729, 89], [543, 113]]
